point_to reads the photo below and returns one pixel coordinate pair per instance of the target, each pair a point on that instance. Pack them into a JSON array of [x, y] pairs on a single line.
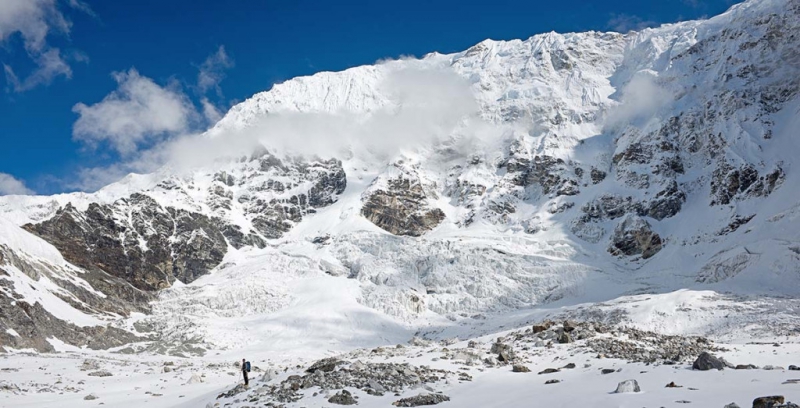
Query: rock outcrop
[[634, 236], [400, 205]]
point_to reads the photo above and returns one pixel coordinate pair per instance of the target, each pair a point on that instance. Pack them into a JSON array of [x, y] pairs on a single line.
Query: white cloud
[[34, 21], [139, 112], [624, 23], [212, 71], [210, 111], [10, 185]]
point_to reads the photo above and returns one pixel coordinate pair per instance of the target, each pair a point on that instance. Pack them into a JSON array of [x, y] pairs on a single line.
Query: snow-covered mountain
[[417, 195]]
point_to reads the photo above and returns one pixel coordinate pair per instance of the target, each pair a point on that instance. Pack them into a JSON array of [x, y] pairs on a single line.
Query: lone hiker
[[245, 369]]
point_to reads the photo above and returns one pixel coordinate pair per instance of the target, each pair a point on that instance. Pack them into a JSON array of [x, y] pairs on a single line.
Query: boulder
[[505, 353], [706, 361], [543, 326], [564, 338], [569, 326], [342, 397], [768, 402], [549, 371], [519, 368], [90, 397], [627, 386], [552, 382]]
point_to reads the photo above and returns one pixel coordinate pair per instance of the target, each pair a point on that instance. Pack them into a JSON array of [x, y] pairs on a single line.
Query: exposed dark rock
[[569, 326], [233, 391], [667, 203], [735, 223], [519, 368], [137, 240], [505, 353], [633, 236], [745, 367], [607, 371], [564, 338], [706, 361], [549, 371], [597, 175], [342, 397], [728, 183], [538, 328], [35, 325], [421, 399], [610, 207], [768, 402], [402, 208], [553, 381], [325, 365]]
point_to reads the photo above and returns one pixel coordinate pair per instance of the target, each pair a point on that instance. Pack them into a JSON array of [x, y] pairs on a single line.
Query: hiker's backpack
[[247, 366]]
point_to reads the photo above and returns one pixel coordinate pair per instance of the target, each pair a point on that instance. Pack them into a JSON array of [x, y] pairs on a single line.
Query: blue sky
[[63, 59]]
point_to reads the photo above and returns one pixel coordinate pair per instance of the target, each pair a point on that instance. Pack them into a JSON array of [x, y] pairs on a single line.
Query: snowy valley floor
[[467, 371]]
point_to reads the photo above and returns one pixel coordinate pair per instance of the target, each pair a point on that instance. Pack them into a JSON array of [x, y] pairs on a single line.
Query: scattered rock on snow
[[342, 397], [627, 386], [421, 399], [552, 382], [549, 371], [90, 397], [100, 373], [519, 368], [505, 353], [607, 371], [324, 365], [731, 405]]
